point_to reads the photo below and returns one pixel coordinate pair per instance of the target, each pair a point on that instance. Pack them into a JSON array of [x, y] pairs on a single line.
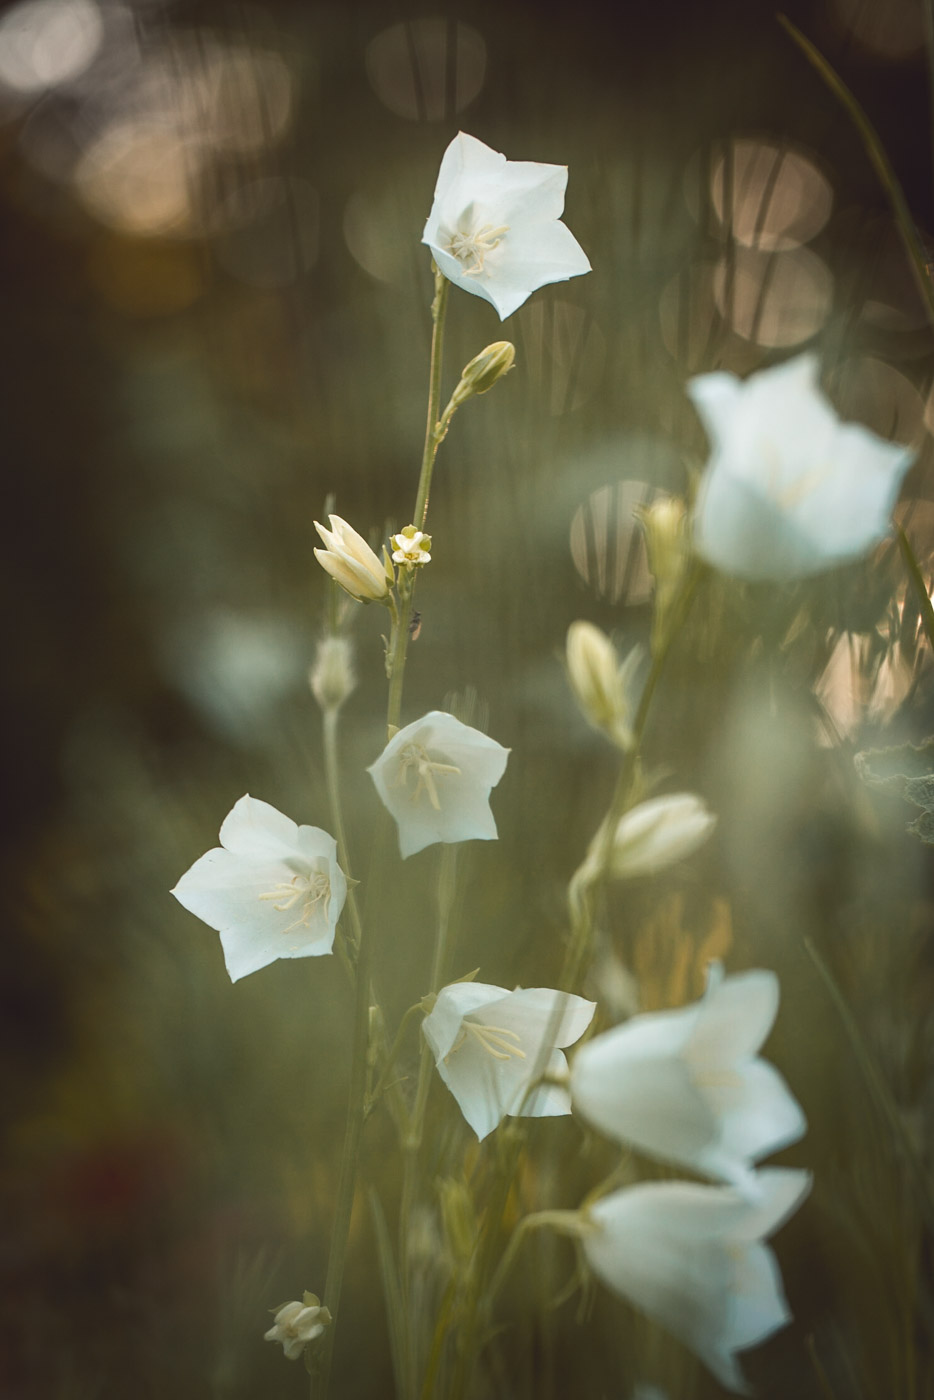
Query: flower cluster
[[688, 1087]]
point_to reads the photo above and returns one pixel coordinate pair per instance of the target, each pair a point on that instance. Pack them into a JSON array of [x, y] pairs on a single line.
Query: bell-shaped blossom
[[688, 1086], [350, 560], [297, 1324], [789, 489], [654, 835], [491, 1046], [693, 1259], [435, 777], [271, 889], [494, 227]]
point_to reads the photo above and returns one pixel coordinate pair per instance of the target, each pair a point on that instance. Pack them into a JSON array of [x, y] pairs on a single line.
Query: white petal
[[758, 1114], [257, 831], [735, 1017], [442, 1025], [739, 531], [535, 1013], [781, 1190]]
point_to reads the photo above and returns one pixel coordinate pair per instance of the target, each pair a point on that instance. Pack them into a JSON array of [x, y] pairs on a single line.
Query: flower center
[[414, 756], [303, 892], [500, 1043], [789, 496], [470, 249]]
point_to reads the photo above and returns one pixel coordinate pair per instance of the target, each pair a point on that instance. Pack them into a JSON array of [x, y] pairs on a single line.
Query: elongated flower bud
[[350, 560], [658, 833], [332, 677], [599, 682], [479, 376]]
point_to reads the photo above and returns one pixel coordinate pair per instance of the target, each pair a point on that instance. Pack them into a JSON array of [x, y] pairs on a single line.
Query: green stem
[[434, 432], [880, 161], [320, 1363]]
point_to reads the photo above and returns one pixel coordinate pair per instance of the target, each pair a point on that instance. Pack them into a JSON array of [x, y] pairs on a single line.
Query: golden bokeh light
[[45, 43], [607, 544], [774, 299], [768, 196]]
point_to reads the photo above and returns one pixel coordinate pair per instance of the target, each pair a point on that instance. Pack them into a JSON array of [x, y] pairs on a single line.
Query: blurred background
[[216, 314]]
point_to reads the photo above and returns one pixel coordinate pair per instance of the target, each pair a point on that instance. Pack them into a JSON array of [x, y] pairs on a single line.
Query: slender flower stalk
[[433, 434]]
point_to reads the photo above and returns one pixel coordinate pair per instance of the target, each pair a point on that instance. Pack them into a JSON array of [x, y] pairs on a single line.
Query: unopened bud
[[599, 682], [667, 548], [479, 376], [656, 834], [332, 676], [458, 1218]]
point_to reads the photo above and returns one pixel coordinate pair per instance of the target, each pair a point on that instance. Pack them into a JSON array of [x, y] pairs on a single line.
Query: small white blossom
[[656, 834], [789, 489], [271, 889], [435, 777], [688, 1086], [692, 1258], [411, 546], [350, 560], [490, 1045], [297, 1324], [494, 227]]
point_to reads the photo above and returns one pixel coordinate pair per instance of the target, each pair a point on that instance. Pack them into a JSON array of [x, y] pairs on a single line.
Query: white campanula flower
[[435, 777], [656, 834], [688, 1086], [494, 227], [490, 1045], [350, 560], [693, 1259], [789, 489], [271, 889], [297, 1324]]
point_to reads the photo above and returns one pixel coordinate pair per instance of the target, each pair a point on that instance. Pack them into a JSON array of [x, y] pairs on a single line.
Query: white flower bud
[[599, 682], [297, 1324], [332, 678], [350, 560], [658, 833]]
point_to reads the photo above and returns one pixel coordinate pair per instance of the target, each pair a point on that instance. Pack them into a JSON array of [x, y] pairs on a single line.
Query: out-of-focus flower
[[494, 227], [411, 547], [602, 685], [655, 834], [271, 889], [687, 1086], [350, 560], [435, 777], [297, 1324], [332, 677], [666, 544], [692, 1258], [789, 489], [491, 1045]]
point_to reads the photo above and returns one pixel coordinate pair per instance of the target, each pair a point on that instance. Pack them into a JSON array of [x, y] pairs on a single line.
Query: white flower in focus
[[435, 778], [490, 1045], [494, 226], [789, 489], [297, 1324], [687, 1086], [411, 547], [350, 560], [271, 889], [656, 834], [692, 1258]]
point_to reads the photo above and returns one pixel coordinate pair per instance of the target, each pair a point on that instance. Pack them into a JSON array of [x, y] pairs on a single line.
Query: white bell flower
[[687, 1086], [490, 1045], [271, 889], [789, 489], [435, 777], [692, 1258], [494, 227]]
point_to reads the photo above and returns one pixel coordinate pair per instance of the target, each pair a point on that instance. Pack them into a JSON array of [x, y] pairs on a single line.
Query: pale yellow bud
[[599, 681], [667, 548], [656, 834], [332, 676], [479, 376], [350, 560]]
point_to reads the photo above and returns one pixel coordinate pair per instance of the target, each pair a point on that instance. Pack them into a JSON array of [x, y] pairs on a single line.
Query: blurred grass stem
[[879, 159], [920, 587]]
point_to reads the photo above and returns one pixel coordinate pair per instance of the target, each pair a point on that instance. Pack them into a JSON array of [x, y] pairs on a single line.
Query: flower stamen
[[306, 890], [472, 248], [416, 756], [500, 1043]]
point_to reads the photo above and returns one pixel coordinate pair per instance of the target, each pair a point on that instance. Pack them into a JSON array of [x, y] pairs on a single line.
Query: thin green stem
[[320, 1364], [879, 159], [434, 432]]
